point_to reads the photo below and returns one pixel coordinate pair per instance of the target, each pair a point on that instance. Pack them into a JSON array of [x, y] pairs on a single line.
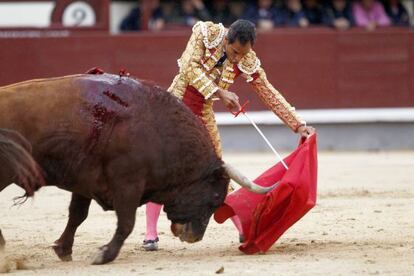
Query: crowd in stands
[[269, 14]]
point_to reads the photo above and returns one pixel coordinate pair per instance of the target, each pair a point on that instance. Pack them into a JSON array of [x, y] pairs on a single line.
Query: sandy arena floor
[[363, 224]]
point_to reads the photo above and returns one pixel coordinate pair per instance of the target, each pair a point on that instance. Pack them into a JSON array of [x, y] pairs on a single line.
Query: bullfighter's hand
[[229, 99], [305, 131]]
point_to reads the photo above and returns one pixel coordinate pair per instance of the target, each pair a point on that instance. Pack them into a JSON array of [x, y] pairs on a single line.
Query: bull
[[123, 143]]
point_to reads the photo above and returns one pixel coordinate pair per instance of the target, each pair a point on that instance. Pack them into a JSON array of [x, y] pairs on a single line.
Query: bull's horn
[[245, 182]]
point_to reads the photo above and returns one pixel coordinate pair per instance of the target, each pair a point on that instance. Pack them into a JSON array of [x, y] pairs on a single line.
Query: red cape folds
[[266, 217]]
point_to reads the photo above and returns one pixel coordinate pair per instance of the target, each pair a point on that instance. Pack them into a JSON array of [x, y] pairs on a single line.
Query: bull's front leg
[[126, 203], [78, 212]]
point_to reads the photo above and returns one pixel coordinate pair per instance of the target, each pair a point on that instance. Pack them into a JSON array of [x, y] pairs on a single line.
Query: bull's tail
[[17, 164]]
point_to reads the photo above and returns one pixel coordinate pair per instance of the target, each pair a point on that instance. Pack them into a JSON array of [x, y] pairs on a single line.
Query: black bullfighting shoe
[[150, 245]]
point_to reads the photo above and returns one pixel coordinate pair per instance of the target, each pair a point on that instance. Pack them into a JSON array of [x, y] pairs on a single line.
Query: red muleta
[[266, 217]]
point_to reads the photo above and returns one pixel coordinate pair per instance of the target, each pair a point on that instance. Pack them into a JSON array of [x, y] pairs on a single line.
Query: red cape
[[266, 217]]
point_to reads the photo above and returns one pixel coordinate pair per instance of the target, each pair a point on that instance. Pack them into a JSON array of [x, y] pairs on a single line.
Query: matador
[[205, 70], [213, 58]]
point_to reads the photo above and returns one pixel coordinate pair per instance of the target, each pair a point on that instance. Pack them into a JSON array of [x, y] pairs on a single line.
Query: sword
[[243, 110]]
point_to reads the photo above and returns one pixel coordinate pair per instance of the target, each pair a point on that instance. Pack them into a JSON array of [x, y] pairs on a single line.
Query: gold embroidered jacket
[[197, 69]]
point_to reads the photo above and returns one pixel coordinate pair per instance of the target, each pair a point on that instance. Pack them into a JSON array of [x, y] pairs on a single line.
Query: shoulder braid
[[213, 34], [249, 63]]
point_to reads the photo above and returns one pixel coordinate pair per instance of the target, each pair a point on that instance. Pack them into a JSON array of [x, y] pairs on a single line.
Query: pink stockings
[[153, 213], [236, 221]]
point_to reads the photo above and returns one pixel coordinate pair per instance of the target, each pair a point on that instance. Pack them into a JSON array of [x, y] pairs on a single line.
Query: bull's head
[[191, 211]]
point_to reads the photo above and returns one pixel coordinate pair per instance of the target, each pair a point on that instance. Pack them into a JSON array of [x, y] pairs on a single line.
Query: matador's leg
[[211, 125]]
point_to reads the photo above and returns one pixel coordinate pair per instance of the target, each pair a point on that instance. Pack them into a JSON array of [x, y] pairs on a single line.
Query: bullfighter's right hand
[[229, 99]]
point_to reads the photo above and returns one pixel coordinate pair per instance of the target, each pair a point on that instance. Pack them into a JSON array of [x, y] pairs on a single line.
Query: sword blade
[[266, 140]]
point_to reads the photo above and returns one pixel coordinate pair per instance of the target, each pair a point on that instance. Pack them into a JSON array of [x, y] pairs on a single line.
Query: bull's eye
[[216, 197]]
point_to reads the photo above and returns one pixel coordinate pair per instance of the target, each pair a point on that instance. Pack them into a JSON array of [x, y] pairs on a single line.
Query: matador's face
[[236, 51]]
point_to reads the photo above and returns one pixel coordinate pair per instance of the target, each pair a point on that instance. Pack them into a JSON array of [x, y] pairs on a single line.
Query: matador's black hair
[[242, 30]]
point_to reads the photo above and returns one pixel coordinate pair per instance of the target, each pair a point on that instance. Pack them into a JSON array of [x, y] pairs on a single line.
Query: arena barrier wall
[[314, 69]]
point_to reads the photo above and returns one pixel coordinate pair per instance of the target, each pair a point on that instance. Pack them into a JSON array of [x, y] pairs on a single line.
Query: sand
[[363, 224]]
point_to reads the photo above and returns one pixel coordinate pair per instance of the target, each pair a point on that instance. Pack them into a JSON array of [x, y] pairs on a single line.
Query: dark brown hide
[[121, 143]]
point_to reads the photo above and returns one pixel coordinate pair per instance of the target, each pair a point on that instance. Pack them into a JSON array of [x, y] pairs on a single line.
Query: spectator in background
[[237, 8], [262, 14], [193, 11], [397, 13], [338, 15], [220, 11], [370, 14], [132, 22], [291, 14], [157, 21], [313, 11]]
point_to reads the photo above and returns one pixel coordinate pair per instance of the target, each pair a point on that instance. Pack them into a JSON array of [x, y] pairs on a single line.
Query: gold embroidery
[[227, 76], [213, 34], [275, 101], [196, 64], [249, 64], [192, 66], [211, 125], [210, 62]]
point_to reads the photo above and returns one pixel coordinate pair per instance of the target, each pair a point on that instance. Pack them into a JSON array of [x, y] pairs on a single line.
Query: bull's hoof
[[67, 258], [103, 256], [63, 256]]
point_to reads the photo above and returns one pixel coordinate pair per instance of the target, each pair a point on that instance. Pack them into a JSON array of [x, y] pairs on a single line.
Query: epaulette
[[213, 34], [249, 63]]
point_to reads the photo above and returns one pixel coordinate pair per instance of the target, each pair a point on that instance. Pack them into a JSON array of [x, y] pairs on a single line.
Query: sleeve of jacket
[[273, 99], [191, 64]]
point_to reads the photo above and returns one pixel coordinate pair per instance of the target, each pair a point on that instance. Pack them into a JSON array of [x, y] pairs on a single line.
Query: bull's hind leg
[[126, 203], [78, 212]]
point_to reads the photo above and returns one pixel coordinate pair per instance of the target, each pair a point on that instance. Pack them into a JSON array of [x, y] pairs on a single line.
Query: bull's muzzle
[[185, 232]]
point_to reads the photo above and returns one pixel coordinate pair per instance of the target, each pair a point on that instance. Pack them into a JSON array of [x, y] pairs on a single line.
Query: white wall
[[26, 14], [38, 14], [409, 5], [118, 11]]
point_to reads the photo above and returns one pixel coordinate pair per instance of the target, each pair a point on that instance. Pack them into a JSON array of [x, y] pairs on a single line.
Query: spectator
[[370, 14], [338, 15], [397, 13], [220, 12], [236, 8], [313, 11], [157, 21], [262, 14], [132, 22], [292, 14], [193, 11]]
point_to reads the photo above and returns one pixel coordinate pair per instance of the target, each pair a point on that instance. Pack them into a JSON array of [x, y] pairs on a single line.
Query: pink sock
[[153, 213], [236, 221]]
